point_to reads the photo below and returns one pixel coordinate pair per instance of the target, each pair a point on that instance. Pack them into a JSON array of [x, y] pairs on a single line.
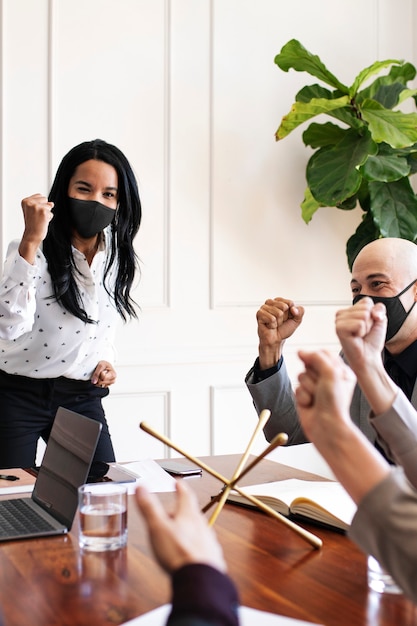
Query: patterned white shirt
[[38, 337]]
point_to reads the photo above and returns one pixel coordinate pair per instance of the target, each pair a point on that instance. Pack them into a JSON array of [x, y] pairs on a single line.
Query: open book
[[325, 502]]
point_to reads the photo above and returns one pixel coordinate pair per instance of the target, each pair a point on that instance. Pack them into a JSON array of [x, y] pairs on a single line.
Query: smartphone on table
[[180, 468]]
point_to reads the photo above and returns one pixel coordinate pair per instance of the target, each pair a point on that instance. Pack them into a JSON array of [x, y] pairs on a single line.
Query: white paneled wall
[[190, 92]]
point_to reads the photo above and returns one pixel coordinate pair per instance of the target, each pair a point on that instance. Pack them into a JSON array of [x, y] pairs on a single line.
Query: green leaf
[[406, 93], [412, 162], [309, 92], [349, 204], [399, 74], [389, 95], [345, 114], [367, 72], [395, 128], [333, 174], [385, 168], [309, 206], [294, 55], [320, 135], [394, 208], [301, 112], [410, 153], [364, 234], [363, 195]]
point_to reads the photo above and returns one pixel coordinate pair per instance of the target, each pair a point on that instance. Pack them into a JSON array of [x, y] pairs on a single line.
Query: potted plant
[[367, 155]]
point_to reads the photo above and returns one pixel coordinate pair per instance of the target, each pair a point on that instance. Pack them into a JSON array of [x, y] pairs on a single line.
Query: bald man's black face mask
[[396, 313]]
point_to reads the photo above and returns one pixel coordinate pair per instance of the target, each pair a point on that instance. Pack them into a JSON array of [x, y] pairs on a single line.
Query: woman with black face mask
[[65, 285]]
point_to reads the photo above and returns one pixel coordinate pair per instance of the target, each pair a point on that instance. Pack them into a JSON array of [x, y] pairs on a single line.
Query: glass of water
[[379, 580], [103, 516]]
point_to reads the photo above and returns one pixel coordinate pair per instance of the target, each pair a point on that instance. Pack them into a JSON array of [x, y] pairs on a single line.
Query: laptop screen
[[65, 464]]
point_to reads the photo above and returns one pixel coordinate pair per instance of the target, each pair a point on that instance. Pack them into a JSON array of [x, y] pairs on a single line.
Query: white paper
[[16, 489], [149, 474], [303, 456], [247, 617]]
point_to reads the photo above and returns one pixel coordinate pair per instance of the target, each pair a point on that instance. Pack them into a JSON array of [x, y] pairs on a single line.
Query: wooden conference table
[[49, 582]]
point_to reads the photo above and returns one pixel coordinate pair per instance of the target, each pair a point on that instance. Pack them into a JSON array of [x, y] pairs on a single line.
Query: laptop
[[65, 465]]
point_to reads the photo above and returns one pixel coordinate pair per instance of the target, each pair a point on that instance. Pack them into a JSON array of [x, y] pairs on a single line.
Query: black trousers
[[27, 411]]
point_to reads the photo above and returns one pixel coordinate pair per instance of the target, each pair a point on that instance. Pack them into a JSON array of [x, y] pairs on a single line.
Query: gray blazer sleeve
[[385, 526], [276, 394]]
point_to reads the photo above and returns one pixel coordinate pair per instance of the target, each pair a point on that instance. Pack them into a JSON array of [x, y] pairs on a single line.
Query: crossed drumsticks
[[240, 471]]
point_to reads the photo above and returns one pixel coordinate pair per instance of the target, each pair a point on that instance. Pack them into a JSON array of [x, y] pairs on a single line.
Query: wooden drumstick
[[263, 418], [279, 440], [305, 534]]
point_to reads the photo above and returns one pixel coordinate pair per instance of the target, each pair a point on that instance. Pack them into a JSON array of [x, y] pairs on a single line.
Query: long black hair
[[57, 244]]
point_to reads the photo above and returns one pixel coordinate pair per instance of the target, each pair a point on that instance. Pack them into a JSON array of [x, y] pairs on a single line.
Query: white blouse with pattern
[[40, 339]]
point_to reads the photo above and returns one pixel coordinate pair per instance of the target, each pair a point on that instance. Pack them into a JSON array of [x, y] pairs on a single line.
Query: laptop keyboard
[[17, 518]]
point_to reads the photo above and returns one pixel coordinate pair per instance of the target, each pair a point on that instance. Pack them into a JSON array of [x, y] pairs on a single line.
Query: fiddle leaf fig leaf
[[294, 55], [345, 114], [364, 234], [367, 72], [389, 95], [333, 173], [303, 111], [309, 206], [394, 208], [412, 162], [398, 74], [397, 129], [385, 168], [320, 135], [349, 204], [406, 93]]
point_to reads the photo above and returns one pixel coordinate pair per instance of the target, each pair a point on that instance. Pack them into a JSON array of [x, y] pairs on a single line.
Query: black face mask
[[396, 314], [89, 217]]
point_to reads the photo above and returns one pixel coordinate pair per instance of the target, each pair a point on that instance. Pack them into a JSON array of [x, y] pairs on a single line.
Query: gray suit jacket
[[385, 522], [276, 394], [385, 526]]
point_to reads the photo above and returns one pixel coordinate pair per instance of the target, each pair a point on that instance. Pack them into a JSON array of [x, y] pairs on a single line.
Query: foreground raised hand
[[361, 329], [182, 537]]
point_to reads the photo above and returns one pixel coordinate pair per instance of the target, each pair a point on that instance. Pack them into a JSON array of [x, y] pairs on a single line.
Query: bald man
[[386, 271]]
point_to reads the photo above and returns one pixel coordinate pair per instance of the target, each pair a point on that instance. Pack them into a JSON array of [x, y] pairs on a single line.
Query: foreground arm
[[361, 330], [187, 548], [397, 434], [323, 399], [384, 524]]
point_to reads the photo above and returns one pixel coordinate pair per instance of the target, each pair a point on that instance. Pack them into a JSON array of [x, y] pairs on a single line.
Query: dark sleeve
[[256, 375], [203, 596]]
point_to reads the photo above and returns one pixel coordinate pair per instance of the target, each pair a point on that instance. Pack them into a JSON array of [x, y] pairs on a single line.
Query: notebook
[[66, 462]]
